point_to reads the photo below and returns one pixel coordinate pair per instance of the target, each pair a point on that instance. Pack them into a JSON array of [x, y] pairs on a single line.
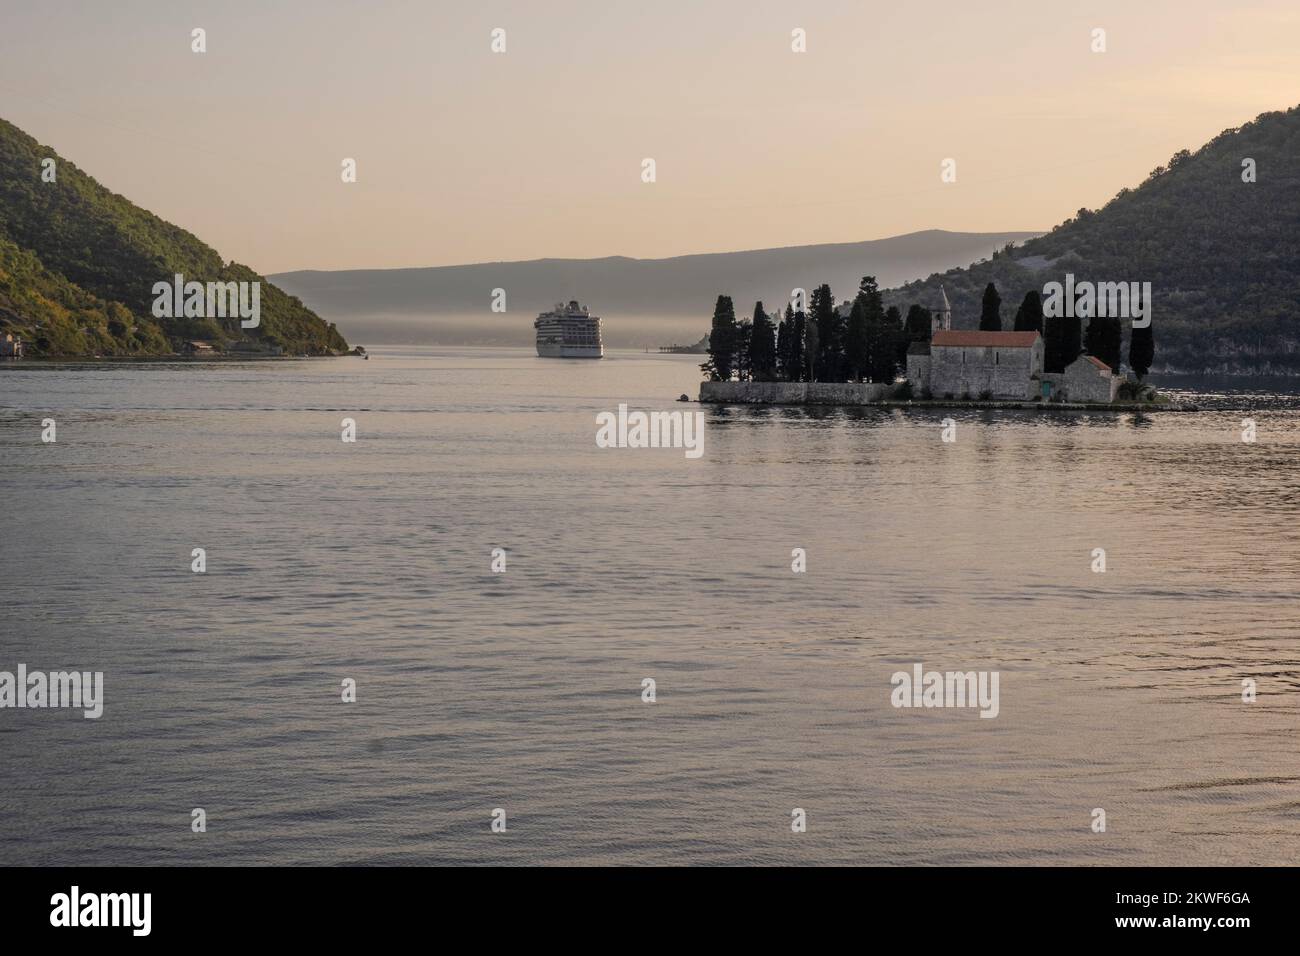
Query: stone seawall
[[793, 393]]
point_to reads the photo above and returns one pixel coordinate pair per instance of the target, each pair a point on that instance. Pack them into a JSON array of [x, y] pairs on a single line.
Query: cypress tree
[[744, 335], [991, 310], [1104, 340], [1092, 336], [1141, 351], [1072, 340], [782, 351], [1051, 343], [786, 348], [830, 345], [877, 341], [884, 338], [1029, 317], [895, 333], [722, 341], [856, 354], [797, 322], [1113, 344], [919, 321], [762, 347], [811, 348], [1063, 335]]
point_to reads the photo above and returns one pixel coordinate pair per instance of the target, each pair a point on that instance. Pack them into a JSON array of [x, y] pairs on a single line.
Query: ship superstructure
[[569, 331]]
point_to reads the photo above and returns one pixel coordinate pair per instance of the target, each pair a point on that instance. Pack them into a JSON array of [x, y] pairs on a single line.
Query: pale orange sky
[[465, 155]]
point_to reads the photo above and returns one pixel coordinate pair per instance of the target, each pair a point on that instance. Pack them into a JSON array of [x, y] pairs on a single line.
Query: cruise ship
[[569, 331]]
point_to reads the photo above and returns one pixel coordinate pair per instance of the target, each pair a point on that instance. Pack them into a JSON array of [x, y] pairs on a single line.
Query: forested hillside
[[78, 264], [1222, 254]]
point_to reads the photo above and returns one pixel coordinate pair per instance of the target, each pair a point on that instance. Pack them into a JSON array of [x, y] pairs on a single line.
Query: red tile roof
[[970, 338], [1098, 362]]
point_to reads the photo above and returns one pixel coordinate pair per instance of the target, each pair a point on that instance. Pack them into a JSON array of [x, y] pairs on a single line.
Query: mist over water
[[515, 330], [522, 690]]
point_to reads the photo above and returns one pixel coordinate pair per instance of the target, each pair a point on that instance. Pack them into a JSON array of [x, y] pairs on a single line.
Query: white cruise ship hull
[[558, 350]]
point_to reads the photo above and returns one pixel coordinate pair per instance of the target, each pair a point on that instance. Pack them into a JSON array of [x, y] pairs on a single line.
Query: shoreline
[[885, 396], [74, 359], [976, 404], [882, 395]]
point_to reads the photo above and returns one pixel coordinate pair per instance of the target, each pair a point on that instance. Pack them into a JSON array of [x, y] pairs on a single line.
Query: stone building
[[1086, 379], [918, 367], [973, 364]]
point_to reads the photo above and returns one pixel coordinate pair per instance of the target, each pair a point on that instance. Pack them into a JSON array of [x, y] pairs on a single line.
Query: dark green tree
[[762, 347], [1029, 317], [797, 322], [783, 350], [898, 335], [791, 349], [744, 335], [884, 335], [875, 341], [811, 347], [830, 338], [991, 310], [1063, 342], [1104, 339], [919, 321], [1141, 351], [856, 345], [722, 342]]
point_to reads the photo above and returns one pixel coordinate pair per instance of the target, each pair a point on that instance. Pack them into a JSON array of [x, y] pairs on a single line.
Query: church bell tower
[[941, 318]]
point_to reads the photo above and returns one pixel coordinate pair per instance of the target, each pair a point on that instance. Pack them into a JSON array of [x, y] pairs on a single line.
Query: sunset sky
[[465, 155]]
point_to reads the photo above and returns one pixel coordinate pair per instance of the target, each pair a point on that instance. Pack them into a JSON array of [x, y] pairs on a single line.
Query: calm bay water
[[522, 690]]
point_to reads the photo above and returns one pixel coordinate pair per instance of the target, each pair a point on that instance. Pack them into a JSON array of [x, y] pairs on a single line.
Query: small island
[[699, 348], [864, 354]]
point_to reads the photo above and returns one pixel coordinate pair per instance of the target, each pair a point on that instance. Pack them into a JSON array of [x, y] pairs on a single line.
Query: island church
[[1006, 366]]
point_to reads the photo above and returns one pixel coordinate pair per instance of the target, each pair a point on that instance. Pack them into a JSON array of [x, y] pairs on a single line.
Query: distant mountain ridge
[[78, 264], [452, 304], [1222, 254]]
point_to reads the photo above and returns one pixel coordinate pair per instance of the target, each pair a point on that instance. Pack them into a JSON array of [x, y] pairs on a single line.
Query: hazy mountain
[[1222, 254], [643, 301], [78, 264]]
